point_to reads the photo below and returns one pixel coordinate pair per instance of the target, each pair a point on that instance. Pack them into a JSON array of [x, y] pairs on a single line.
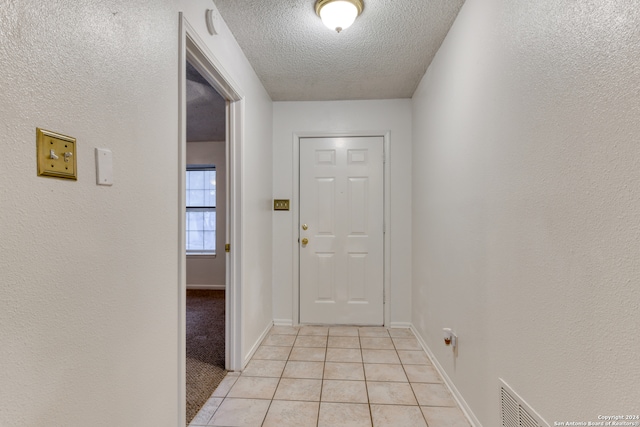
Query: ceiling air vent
[[515, 412]]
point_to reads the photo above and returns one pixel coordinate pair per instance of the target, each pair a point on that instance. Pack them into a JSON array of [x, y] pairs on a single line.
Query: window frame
[[205, 208]]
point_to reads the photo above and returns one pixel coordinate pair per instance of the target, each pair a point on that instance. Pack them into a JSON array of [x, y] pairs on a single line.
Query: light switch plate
[[280, 204], [104, 166], [56, 155]]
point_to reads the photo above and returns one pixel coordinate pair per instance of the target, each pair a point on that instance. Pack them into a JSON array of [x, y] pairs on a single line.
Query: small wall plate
[[56, 155], [280, 204]]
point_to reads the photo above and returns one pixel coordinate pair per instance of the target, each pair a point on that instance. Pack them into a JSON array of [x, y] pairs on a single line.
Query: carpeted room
[[205, 346]]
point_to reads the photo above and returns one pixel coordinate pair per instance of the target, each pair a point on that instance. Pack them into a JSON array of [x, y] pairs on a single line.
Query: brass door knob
[[305, 241]]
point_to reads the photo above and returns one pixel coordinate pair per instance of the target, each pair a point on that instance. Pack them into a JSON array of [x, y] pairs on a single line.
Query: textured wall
[[89, 274], [207, 270], [526, 189], [378, 115], [88, 301]]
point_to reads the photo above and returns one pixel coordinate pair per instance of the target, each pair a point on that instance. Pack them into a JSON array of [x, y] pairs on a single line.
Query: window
[[201, 210]]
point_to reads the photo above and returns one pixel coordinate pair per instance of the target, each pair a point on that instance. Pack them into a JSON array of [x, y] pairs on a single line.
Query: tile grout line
[[223, 400], [324, 367], [410, 385], [280, 378], [366, 382]]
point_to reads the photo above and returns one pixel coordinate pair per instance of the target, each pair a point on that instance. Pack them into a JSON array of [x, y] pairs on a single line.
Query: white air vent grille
[[515, 412], [510, 410], [526, 420]]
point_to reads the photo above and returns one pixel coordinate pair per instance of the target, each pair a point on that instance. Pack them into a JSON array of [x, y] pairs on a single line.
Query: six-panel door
[[342, 207]]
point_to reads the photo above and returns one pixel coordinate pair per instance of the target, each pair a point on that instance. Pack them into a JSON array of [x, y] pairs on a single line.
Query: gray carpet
[[205, 347]]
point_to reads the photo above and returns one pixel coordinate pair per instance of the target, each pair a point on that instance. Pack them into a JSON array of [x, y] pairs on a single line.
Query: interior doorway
[[195, 56], [205, 228]]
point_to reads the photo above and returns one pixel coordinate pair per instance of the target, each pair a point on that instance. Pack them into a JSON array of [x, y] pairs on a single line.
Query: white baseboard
[[206, 287], [282, 322], [400, 324], [255, 346], [452, 388]]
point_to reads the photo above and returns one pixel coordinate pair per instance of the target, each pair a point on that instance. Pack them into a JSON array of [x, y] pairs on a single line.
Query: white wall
[[526, 205], [89, 295], [255, 216], [207, 271], [88, 302], [343, 116]]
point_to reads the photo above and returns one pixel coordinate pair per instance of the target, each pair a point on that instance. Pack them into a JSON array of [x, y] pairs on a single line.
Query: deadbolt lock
[[305, 226]]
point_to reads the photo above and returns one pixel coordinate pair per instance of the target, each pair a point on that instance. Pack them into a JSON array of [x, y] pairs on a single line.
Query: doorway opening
[[205, 194], [209, 226]]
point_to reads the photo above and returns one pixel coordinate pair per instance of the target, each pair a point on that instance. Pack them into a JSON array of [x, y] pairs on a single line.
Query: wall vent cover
[[515, 412]]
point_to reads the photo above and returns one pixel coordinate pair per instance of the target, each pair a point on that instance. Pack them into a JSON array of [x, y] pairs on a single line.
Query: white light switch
[[104, 167]]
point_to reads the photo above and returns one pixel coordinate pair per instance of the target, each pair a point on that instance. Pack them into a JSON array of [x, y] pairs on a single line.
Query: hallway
[[337, 376], [512, 210]]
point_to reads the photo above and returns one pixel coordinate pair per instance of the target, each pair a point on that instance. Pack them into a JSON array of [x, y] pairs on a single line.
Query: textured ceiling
[[206, 115], [383, 55]]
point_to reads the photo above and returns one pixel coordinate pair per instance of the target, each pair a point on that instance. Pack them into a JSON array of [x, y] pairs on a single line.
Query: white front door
[[341, 217]]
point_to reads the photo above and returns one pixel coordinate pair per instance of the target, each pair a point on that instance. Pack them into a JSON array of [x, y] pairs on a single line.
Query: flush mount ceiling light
[[338, 14]]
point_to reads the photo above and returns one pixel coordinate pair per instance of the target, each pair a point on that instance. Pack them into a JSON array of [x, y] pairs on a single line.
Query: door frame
[[297, 136], [193, 49]]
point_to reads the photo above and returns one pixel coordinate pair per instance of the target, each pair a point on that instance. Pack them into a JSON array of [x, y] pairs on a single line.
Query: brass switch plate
[[56, 154], [280, 204]]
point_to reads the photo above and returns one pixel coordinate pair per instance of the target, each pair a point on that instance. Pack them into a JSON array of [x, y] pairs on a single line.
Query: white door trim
[[192, 48], [295, 214]]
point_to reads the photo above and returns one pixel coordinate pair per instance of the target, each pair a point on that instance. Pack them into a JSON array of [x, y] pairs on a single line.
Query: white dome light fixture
[[338, 14]]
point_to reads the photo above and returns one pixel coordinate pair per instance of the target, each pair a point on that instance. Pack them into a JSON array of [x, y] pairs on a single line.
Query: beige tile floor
[[334, 377]]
